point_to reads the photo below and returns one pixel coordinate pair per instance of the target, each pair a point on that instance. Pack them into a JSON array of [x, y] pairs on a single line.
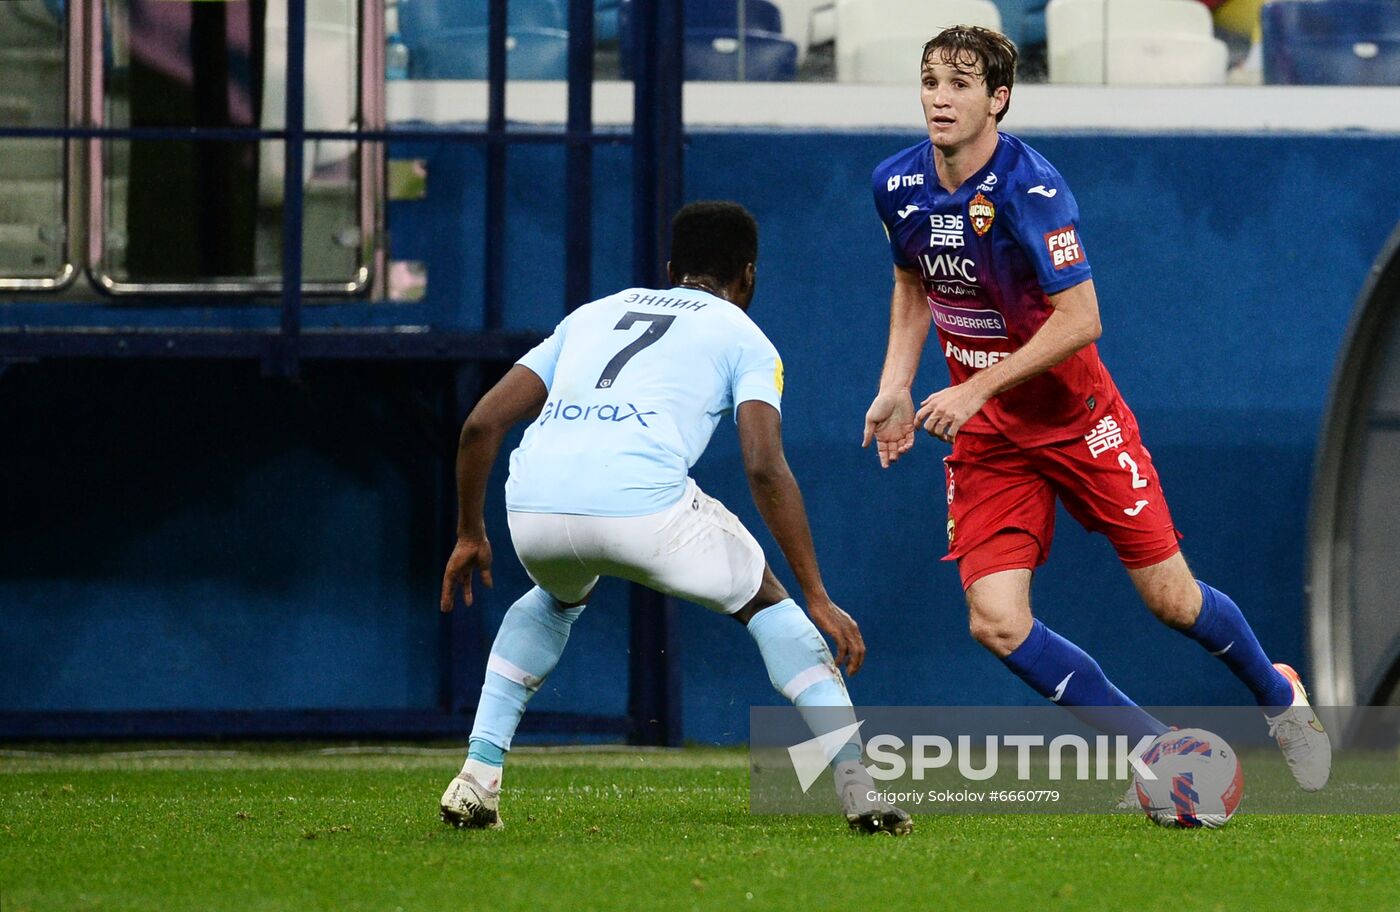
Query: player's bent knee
[[999, 635], [1169, 590], [1177, 609]]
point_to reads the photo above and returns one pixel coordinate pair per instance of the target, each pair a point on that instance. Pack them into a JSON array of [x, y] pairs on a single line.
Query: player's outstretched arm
[[779, 501], [519, 395], [1072, 325], [890, 419]]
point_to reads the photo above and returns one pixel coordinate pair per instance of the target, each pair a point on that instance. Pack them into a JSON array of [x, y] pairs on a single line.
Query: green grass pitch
[[287, 828]]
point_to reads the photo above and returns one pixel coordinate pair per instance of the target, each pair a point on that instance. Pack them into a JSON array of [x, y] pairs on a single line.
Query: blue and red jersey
[[990, 254]]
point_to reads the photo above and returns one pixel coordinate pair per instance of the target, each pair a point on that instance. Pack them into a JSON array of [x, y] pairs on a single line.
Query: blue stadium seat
[[605, 24], [762, 15], [1337, 42], [711, 16], [713, 54], [425, 19], [531, 53], [1023, 21]]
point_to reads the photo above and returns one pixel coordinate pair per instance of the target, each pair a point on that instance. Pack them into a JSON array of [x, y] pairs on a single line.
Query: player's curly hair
[[980, 52], [714, 238]]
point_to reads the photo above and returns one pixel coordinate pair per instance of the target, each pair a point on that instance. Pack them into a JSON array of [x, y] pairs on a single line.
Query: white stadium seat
[[879, 40], [1151, 59], [797, 23], [1077, 32]]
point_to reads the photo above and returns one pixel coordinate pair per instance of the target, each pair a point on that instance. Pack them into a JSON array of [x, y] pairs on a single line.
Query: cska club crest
[[981, 212]]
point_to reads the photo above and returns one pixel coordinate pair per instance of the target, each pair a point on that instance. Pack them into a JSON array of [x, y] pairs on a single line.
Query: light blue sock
[[527, 647], [801, 668], [485, 752]]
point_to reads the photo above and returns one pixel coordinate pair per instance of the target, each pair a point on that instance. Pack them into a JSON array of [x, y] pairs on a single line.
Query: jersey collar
[[978, 177]]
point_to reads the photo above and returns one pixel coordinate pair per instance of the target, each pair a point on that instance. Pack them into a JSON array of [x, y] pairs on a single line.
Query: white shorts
[[695, 550]]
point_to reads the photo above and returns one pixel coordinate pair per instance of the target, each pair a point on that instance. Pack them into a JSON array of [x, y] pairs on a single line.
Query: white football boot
[[467, 804], [864, 813], [1129, 801], [1300, 736]]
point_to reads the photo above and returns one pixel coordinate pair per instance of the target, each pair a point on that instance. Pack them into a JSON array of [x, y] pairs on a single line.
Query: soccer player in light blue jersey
[[623, 398]]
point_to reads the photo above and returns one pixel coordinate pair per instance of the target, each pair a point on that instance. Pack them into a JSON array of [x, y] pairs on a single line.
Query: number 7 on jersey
[[658, 324]]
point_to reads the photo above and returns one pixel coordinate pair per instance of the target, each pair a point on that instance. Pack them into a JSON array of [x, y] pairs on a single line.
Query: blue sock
[[801, 668], [527, 647], [1225, 634], [1065, 674]]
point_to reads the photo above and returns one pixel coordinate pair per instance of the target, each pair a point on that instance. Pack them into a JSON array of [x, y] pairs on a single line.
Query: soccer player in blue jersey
[[987, 249], [623, 399]]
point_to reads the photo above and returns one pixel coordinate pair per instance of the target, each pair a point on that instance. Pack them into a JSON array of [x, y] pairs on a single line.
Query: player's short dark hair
[[980, 52], [714, 238]]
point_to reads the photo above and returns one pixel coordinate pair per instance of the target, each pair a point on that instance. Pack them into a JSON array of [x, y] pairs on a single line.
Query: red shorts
[[1001, 498]]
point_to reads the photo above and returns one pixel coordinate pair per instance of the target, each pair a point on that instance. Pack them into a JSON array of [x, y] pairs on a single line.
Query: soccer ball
[[1199, 780]]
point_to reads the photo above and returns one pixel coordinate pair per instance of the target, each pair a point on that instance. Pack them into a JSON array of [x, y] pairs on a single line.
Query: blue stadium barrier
[[55, 8], [705, 15], [260, 531], [713, 54], [1338, 42], [425, 19], [531, 53]]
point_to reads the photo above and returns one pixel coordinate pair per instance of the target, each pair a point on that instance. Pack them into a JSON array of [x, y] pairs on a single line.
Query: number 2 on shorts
[[1126, 462], [659, 323]]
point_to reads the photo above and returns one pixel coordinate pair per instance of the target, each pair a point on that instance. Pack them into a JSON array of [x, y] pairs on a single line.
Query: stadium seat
[[885, 60], [605, 25], [762, 15], [1023, 21], [1140, 58], [1078, 31], [425, 19], [899, 28], [798, 17], [824, 24], [714, 20], [531, 53], [1340, 42], [713, 54]]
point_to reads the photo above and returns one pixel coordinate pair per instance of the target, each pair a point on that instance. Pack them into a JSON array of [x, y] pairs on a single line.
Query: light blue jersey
[[637, 384]]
